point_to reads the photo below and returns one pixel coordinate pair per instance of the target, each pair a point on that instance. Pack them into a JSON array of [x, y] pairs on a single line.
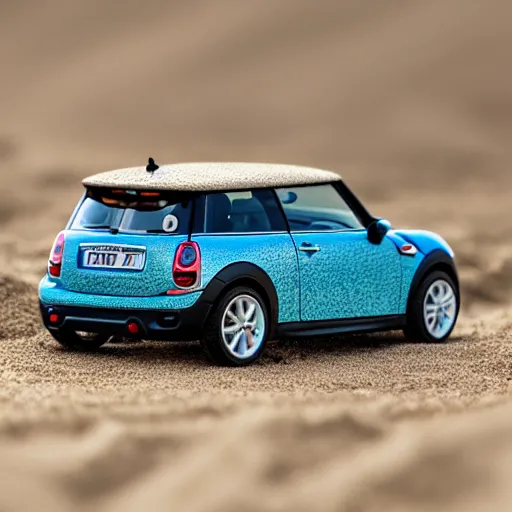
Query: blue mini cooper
[[236, 254]]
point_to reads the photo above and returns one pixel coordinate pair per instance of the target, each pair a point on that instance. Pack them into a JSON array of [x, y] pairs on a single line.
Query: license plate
[[119, 257]]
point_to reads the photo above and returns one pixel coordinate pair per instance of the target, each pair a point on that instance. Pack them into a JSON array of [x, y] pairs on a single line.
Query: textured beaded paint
[[356, 279], [274, 253], [348, 277], [155, 279], [410, 265], [52, 294], [426, 242]]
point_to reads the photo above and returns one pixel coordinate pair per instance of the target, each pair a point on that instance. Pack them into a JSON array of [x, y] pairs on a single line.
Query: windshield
[[170, 219]]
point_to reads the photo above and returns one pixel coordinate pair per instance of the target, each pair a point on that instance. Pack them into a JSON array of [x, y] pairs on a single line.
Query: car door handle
[[307, 247]]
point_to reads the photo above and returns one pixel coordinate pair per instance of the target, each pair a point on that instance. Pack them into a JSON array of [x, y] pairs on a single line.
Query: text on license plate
[[122, 258]]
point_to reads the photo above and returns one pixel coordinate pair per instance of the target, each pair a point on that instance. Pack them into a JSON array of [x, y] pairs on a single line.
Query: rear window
[[162, 216]]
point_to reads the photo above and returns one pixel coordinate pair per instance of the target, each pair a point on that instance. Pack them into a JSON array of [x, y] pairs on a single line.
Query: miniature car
[[236, 254]]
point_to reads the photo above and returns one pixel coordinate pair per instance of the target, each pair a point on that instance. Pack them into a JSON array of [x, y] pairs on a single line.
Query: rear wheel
[[84, 341], [236, 332], [434, 309]]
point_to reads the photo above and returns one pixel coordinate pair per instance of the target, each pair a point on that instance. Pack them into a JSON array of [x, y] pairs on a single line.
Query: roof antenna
[[151, 167]]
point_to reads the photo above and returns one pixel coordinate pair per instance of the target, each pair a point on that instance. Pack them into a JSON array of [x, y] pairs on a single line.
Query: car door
[[248, 227], [342, 274]]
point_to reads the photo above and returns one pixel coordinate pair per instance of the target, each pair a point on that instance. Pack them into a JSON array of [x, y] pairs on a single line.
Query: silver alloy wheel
[[243, 326], [440, 308]]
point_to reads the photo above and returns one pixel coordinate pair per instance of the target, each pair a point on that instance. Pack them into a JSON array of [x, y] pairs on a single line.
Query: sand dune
[[411, 102]]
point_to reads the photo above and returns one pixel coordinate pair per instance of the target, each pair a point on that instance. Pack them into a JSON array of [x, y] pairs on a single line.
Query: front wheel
[[236, 332], [434, 308], [83, 341]]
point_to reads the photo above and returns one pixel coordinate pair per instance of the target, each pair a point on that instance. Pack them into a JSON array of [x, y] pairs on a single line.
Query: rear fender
[[243, 274]]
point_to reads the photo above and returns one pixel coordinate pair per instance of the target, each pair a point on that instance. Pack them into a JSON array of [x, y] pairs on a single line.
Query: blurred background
[[410, 100], [409, 91]]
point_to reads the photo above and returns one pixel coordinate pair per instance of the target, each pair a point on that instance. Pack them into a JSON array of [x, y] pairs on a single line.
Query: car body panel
[[425, 241], [274, 253], [51, 292], [349, 277], [410, 265], [153, 280]]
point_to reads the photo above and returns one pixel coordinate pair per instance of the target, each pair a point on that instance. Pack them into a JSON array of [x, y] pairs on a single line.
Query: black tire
[[80, 342], [212, 340], [416, 328]]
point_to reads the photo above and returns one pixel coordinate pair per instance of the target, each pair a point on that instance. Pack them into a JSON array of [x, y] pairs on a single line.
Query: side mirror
[[377, 230]]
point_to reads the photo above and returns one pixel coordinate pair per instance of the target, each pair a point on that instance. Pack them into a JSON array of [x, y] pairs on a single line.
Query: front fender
[[436, 260], [433, 253], [426, 241]]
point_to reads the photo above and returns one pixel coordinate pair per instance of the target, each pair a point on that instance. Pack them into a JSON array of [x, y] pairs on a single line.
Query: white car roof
[[205, 177]]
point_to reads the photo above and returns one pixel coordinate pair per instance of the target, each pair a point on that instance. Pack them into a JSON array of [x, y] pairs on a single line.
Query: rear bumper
[[167, 318], [173, 325], [50, 292]]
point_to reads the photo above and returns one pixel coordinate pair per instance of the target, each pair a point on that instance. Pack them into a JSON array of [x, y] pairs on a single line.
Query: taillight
[[186, 269], [55, 263]]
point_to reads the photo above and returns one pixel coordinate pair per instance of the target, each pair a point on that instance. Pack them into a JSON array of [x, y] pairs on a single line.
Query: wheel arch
[[244, 274], [436, 260]]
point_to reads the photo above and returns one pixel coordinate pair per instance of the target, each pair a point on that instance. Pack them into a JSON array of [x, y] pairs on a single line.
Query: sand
[[411, 102]]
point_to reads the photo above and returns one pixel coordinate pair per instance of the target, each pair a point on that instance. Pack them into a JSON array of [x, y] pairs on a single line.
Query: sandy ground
[[412, 103]]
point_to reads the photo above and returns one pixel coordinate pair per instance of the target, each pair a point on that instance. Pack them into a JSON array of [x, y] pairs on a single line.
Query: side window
[[252, 211], [317, 208]]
